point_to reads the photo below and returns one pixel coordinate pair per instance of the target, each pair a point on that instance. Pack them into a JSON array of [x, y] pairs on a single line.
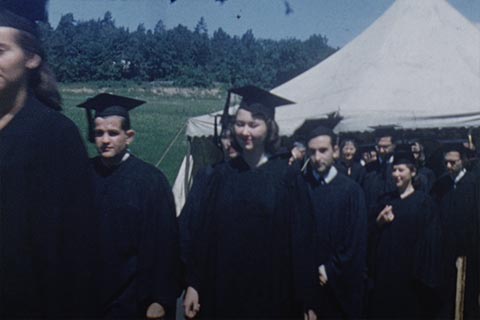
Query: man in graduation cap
[[139, 235], [334, 216], [456, 193]]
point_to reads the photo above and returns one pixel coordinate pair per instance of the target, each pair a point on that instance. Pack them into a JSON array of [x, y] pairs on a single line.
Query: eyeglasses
[[383, 147], [451, 162]]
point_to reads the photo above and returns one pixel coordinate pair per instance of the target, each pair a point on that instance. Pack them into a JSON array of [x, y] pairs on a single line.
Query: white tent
[[417, 66]]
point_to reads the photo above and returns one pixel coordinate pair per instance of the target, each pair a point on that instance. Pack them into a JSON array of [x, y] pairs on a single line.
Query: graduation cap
[[23, 14], [105, 105], [255, 100], [259, 101], [403, 155]]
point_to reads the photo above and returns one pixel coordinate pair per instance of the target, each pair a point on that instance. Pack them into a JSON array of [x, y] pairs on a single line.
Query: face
[[250, 132], [321, 153], [110, 139], [453, 162], [402, 175], [385, 147], [348, 151], [15, 63], [416, 150], [228, 150]]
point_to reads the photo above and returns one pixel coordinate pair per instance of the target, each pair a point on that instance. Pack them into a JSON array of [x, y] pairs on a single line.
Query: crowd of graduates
[[266, 233], [367, 232]]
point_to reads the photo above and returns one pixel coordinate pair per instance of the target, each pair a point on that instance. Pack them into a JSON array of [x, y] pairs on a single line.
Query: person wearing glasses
[[378, 179], [456, 193]]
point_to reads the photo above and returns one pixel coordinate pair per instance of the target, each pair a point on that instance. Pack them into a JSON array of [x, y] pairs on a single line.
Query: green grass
[[157, 122]]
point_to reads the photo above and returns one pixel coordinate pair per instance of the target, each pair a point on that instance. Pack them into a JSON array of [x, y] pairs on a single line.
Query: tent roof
[[416, 66]]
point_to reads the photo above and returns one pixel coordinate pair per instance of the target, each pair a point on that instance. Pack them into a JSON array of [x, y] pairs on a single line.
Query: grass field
[[157, 122]]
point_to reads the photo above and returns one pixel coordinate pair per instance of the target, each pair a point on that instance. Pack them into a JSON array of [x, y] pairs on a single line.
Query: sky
[[339, 20]]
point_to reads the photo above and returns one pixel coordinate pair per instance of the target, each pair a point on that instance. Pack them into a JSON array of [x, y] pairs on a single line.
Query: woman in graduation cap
[[240, 264], [404, 248], [47, 225]]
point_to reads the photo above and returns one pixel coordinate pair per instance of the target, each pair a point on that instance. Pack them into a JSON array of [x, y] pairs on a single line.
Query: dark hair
[[125, 123], [272, 141], [412, 167], [392, 137], [42, 80], [323, 131], [345, 141]]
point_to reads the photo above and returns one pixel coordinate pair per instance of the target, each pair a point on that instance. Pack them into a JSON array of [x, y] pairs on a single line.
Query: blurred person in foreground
[[48, 228]]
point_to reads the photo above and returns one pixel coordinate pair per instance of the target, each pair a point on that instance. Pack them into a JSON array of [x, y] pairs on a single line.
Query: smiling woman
[[246, 197], [47, 227], [405, 247]]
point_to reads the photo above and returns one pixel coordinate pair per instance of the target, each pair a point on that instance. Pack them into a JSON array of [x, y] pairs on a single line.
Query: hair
[[125, 123], [272, 141], [41, 80], [412, 167], [228, 133], [392, 137], [345, 141], [323, 131]]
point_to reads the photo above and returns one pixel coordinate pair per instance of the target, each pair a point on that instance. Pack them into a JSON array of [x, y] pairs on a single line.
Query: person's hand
[[191, 303], [322, 275], [386, 216], [310, 315], [297, 153], [155, 311]]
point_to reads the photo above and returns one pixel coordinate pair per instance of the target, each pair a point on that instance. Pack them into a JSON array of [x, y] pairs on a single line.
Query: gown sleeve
[[346, 269], [158, 256], [427, 259]]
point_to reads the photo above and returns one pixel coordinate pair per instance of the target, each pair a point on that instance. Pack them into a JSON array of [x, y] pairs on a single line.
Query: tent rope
[[171, 145]]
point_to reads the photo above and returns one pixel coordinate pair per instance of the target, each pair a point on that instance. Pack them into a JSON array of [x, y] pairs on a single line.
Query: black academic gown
[[459, 213], [424, 179], [404, 258], [139, 238], [378, 182], [338, 215], [188, 220], [354, 170], [48, 228], [241, 264]]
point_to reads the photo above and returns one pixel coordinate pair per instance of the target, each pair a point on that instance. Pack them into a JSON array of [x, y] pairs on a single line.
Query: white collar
[[460, 176], [332, 173], [125, 157]]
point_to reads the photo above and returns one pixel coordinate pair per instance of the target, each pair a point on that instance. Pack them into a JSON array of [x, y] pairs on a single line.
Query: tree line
[[98, 50]]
